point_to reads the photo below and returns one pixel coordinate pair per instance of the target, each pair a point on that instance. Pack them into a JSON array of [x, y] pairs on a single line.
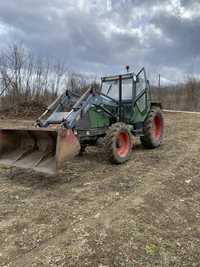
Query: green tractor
[[111, 117]]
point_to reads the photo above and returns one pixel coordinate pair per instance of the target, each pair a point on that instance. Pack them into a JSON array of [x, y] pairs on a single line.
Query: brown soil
[[143, 213], [23, 110]]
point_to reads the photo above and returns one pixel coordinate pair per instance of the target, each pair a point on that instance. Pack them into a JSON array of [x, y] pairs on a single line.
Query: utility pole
[[159, 81]]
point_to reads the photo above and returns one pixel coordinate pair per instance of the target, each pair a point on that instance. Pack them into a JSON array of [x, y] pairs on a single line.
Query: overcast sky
[[101, 36]]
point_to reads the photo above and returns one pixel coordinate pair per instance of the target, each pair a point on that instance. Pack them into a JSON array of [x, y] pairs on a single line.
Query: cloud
[[102, 36]]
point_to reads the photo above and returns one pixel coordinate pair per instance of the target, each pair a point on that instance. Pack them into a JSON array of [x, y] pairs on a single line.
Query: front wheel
[[153, 129], [118, 143]]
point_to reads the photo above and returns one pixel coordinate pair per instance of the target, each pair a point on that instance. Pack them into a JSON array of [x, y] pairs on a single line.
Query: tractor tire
[[153, 129], [118, 143]]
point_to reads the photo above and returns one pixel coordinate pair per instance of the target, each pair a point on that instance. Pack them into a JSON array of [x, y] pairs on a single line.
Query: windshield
[[111, 89], [127, 89]]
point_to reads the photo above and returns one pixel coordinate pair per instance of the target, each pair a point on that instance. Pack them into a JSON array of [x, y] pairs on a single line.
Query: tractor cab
[[111, 87], [131, 92]]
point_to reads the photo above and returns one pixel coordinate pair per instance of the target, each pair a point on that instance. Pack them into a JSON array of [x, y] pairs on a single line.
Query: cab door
[[141, 97]]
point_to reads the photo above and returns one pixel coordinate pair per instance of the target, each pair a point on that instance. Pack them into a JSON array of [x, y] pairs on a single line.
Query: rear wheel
[[153, 129], [118, 143]]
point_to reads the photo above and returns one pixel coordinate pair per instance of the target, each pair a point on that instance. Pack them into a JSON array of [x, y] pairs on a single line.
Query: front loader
[[121, 110]]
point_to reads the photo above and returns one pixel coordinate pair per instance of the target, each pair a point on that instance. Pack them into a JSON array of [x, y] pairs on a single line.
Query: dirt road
[[143, 213]]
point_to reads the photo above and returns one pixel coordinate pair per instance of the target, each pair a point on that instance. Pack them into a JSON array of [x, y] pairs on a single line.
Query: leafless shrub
[[23, 77], [183, 96], [27, 80]]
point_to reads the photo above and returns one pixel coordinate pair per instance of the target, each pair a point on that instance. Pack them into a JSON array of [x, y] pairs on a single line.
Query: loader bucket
[[44, 150]]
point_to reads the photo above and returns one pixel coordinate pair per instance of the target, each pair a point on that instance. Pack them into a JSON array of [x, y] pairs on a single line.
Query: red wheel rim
[[157, 128], [122, 144]]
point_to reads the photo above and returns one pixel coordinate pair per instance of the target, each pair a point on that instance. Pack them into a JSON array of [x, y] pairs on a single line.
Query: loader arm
[[66, 100], [69, 120]]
